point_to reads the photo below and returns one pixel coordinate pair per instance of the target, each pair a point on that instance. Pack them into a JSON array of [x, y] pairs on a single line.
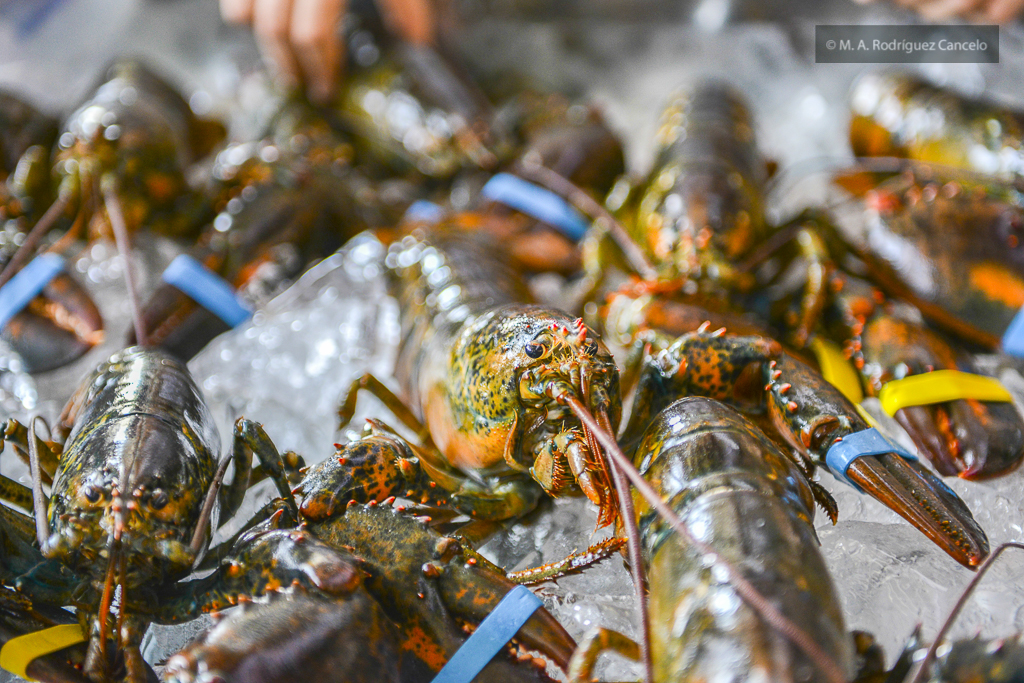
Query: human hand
[[982, 11], [301, 41]]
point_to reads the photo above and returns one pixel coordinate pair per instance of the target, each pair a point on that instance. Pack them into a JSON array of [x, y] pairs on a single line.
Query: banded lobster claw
[[807, 412], [812, 415], [58, 325], [433, 586], [365, 573]]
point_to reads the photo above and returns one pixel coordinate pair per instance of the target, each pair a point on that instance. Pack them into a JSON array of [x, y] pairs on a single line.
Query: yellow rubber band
[[938, 387], [18, 653], [867, 417], [836, 369]]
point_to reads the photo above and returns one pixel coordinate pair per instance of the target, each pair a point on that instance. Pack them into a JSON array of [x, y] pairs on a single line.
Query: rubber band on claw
[[18, 653], [490, 637], [836, 369], [27, 284], [940, 386], [858, 445], [207, 289], [542, 204]]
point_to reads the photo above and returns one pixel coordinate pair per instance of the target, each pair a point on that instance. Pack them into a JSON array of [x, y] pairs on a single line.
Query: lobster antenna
[[751, 595], [929, 658], [564, 187], [628, 517], [117, 223], [24, 252]]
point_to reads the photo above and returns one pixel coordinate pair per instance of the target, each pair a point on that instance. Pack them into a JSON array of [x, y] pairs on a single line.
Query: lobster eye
[[534, 350], [91, 493], [158, 500]]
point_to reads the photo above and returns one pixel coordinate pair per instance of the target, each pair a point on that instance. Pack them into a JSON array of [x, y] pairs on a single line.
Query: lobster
[[695, 220], [483, 370], [285, 200], [125, 151], [744, 498], [132, 495]]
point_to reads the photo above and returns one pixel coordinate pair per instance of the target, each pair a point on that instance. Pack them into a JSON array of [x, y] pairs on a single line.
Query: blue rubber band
[[1013, 338], [490, 637], [857, 445], [538, 202], [27, 284], [422, 211], [207, 289]]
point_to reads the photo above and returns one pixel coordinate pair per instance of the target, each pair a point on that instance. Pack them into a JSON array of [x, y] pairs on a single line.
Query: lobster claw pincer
[[975, 439], [812, 416], [921, 498]]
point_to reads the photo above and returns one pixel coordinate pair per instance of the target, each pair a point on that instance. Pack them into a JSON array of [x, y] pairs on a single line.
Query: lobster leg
[[15, 493], [16, 434], [571, 564], [595, 643], [378, 389], [250, 438], [811, 415]]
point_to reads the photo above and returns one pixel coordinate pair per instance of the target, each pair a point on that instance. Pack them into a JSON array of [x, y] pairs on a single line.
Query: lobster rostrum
[[133, 488], [487, 378], [745, 499]]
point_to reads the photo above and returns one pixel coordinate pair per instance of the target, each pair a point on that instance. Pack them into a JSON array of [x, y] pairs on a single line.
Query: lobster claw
[[970, 438], [811, 415], [433, 588], [967, 438], [921, 498], [59, 325], [472, 591]]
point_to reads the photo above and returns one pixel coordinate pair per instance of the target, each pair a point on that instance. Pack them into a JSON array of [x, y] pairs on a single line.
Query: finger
[[1002, 11], [236, 11], [411, 19], [316, 44], [272, 25], [947, 9]]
